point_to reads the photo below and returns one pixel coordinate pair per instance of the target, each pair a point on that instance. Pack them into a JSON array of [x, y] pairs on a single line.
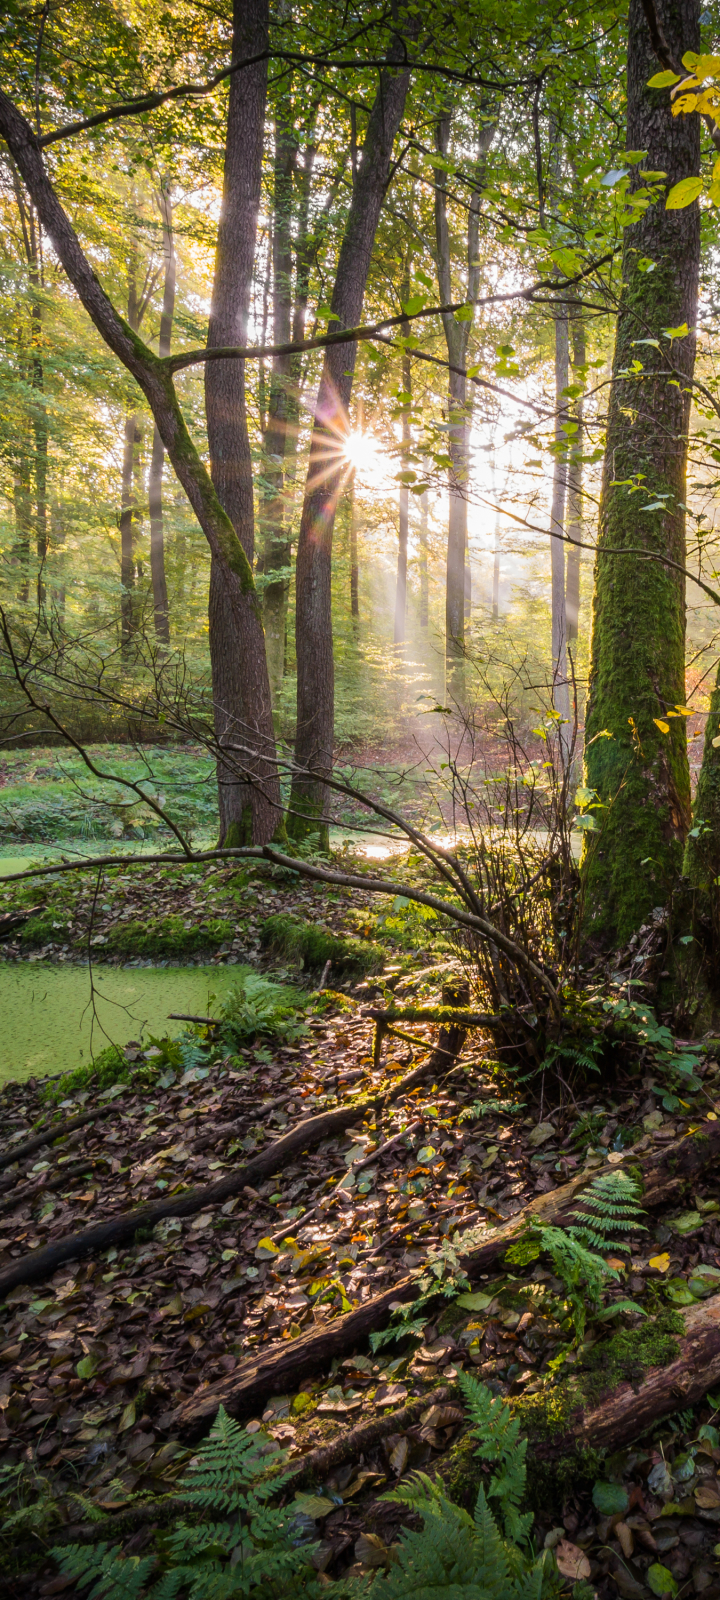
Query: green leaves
[[610, 1498], [663, 80], [683, 193]]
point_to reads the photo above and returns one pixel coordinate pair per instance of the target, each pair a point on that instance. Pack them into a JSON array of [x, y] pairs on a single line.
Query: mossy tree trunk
[[637, 672], [702, 851]]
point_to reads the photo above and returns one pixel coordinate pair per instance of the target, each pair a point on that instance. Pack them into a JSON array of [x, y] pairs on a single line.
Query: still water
[[48, 1023]]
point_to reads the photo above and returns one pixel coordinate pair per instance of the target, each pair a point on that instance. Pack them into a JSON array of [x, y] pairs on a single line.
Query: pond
[[48, 1025]]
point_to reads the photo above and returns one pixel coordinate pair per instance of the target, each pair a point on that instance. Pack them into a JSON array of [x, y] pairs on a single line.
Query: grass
[[48, 795]]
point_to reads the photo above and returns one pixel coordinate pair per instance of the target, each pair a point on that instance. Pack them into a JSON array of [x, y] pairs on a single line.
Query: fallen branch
[[47, 1183], [40, 1264], [664, 1175], [50, 1135]]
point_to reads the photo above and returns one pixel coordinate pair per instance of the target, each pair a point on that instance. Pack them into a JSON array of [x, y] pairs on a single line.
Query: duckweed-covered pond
[[48, 1024]]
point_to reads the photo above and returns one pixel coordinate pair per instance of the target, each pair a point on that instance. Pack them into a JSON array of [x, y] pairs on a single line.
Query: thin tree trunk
[[22, 502], [561, 697], [129, 511], [457, 337], [575, 484], [327, 470], [354, 565], [423, 545], [275, 542], [637, 670], [404, 494], [249, 809], [496, 552], [161, 608]]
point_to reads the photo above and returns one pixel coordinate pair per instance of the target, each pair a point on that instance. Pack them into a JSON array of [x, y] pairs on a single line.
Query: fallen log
[[663, 1174], [627, 1411], [49, 1135], [41, 1263]]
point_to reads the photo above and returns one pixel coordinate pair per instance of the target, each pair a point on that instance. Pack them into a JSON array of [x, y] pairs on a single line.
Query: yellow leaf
[[716, 741], [660, 1263], [684, 711], [663, 726]]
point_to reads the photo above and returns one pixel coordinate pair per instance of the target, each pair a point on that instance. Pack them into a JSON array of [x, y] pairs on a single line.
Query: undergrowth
[[306, 945]]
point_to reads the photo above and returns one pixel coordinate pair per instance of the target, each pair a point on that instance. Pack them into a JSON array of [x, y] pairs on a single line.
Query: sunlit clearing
[[363, 454]]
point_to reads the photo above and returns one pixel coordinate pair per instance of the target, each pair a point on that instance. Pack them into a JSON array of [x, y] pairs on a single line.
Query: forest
[[360, 800]]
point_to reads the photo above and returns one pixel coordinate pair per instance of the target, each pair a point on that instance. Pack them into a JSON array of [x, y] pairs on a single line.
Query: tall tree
[[637, 670], [574, 523], [457, 337], [161, 609], [326, 468], [404, 491], [241, 686]]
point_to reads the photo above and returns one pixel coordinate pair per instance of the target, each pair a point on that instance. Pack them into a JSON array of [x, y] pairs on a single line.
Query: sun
[[362, 454]]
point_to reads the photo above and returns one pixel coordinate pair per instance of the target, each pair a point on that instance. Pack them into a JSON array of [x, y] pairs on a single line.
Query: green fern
[[464, 1557], [247, 1549], [610, 1206], [258, 1008]]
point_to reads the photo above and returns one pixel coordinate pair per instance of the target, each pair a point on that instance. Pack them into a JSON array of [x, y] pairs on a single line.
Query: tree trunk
[[354, 566], [327, 469], [404, 494], [423, 544], [161, 609], [574, 485], [457, 336], [129, 510], [561, 698], [275, 542], [249, 803], [637, 670]]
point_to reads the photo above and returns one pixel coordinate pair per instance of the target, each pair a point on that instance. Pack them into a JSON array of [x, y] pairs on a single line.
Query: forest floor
[[103, 1357]]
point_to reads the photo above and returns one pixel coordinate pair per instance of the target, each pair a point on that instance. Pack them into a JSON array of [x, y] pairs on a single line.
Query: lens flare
[[362, 454]]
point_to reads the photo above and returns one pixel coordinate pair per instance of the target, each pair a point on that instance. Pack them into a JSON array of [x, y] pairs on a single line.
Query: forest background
[[507, 168]]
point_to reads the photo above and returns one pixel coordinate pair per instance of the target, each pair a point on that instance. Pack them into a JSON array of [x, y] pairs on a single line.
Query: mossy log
[[663, 1175], [623, 1414]]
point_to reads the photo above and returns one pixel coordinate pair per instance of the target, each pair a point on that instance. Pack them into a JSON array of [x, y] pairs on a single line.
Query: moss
[[305, 819], [452, 1317], [46, 928], [702, 851], [239, 833], [108, 1068], [637, 671], [462, 1472], [312, 947], [168, 937]]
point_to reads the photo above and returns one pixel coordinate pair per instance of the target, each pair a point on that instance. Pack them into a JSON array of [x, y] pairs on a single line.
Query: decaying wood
[[50, 1135], [9, 920], [627, 1411], [282, 1368], [663, 1174], [40, 1264]]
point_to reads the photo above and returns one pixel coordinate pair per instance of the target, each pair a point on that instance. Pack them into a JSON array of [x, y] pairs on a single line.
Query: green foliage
[[245, 1547], [259, 1008], [311, 947], [168, 937], [611, 1208], [462, 1556], [675, 1064], [112, 1067]]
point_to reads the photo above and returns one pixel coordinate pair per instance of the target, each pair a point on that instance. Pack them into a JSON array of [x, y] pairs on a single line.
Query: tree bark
[[637, 669], [275, 541], [248, 787], [574, 526], [161, 609], [457, 337], [423, 548], [354, 563], [327, 469], [404, 494], [561, 698]]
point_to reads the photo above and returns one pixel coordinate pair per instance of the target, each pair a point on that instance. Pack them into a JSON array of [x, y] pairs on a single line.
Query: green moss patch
[[168, 937], [305, 944]]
